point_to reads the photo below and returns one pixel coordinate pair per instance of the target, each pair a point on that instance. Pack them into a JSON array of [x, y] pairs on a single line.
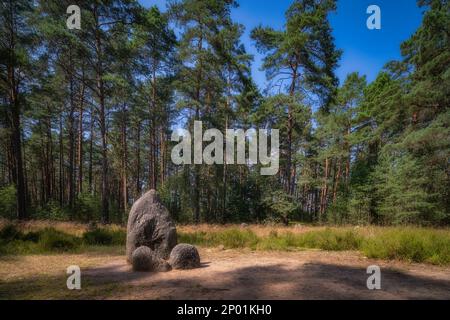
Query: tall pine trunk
[[15, 113], [91, 151], [61, 162], [80, 139], [124, 163], [324, 194], [102, 121], [138, 160], [71, 149]]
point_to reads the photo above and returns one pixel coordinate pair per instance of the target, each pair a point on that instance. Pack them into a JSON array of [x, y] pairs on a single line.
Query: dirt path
[[231, 274]]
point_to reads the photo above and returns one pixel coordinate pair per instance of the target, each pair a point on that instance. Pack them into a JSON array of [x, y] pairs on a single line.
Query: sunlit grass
[[411, 244], [408, 244]]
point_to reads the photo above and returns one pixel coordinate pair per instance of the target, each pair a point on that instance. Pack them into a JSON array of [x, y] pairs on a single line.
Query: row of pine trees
[[87, 115]]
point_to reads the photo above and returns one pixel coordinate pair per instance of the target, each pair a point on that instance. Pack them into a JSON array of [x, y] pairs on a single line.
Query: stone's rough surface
[[160, 265], [150, 225], [184, 256], [142, 259]]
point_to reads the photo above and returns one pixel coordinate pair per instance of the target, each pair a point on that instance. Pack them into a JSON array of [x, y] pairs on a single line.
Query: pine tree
[[303, 55], [15, 53]]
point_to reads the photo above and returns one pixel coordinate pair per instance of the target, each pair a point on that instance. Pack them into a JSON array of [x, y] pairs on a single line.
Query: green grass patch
[[231, 238], [49, 240], [328, 239], [408, 244], [104, 237], [332, 240], [401, 243], [57, 241], [10, 233], [13, 241]]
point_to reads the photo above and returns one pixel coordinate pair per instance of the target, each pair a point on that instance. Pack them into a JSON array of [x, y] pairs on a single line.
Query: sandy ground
[[225, 274]]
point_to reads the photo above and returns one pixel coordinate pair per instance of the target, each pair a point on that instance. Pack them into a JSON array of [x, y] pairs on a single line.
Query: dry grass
[[259, 230], [77, 229], [106, 275], [72, 228], [411, 244]]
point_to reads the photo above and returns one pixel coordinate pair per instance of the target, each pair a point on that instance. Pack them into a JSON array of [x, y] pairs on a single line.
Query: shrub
[[104, 237], [54, 240], [51, 211], [13, 241], [281, 205], [19, 247], [87, 207], [10, 233], [31, 236], [8, 202], [97, 237]]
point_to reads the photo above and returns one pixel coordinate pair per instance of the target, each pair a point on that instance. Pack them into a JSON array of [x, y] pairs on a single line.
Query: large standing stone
[[150, 225]]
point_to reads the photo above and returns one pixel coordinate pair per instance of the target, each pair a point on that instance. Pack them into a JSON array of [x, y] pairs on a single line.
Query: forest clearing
[[234, 266], [319, 135]]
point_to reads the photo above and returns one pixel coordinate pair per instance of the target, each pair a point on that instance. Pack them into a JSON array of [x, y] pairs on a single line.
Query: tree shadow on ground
[[309, 281], [276, 281]]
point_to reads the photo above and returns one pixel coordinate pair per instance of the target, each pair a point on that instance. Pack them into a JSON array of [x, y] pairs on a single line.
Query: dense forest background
[[86, 115]]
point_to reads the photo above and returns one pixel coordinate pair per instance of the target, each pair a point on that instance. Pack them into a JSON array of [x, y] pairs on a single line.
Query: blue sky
[[364, 50]]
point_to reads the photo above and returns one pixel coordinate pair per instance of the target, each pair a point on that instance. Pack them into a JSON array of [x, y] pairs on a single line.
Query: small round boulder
[[142, 259], [184, 256]]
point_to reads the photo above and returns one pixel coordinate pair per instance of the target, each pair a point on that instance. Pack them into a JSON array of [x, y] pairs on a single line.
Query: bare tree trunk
[[16, 131], [50, 161], [138, 160], [162, 155], [91, 151], [152, 131], [152, 156], [124, 162], [102, 121], [224, 182], [197, 117], [336, 183], [324, 195], [347, 165], [71, 150], [290, 126], [104, 154], [43, 166], [61, 162], [289, 151], [80, 139]]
